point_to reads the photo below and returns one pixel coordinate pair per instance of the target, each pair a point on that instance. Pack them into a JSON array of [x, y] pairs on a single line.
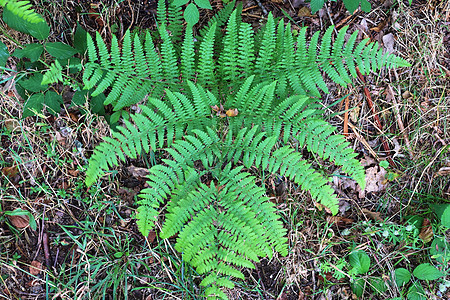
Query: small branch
[[377, 119]]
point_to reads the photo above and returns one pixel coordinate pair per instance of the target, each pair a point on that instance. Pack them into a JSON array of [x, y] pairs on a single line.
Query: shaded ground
[[94, 247]]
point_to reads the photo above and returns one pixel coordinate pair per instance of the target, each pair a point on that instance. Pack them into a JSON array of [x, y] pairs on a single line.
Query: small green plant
[[252, 106], [401, 277], [37, 72], [351, 5]]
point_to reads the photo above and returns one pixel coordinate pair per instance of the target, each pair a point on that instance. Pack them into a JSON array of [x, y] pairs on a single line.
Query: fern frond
[[266, 48], [168, 57], [320, 138], [175, 21], [53, 74], [187, 55], [229, 55], [23, 10], [246, 54], [206, 76]]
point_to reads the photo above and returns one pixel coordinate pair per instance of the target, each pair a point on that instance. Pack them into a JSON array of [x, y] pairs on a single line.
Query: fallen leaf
[[12, 125], [215, 108], [74, 172], [304, 12], [372, 215], [426, 233], [379, 27], [321, 207], [232, 112], [339, 221], [73, 117], [368, 161], [35, 267], [60, 139], [443, 171], [375, 177], [20, 221], [389, 42], [407, 95], [151, 236], [10, 172], [138, 172]]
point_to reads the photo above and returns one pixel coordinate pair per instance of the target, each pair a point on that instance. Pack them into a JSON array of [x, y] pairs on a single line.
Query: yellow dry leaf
[[232, 112]]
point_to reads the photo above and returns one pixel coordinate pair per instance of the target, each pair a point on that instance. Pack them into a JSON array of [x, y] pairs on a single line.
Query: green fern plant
[[223, 62], [23, 10], [217, 110]]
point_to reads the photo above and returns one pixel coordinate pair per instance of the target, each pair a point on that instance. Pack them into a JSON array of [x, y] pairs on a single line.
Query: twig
[[400, 123], [264, 10], [48, 262], [377, 119], [346, 117]]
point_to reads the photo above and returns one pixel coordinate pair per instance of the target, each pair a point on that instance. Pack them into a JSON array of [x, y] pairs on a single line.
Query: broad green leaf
[[358, 287], [79, 39], [427, 271], [353, 5], [365, 6], [21, 212], [179, 3], [34, 105], [203, 4], [191, 14], [60, 50], [443, 213], [33, 84], [440, 250], [360, 262], [378, 285], [316, 5], [53, 100], [4, 54], [32, 51], [38, 30], [416, 292], [80, 97], [97, 106], [402, 276]]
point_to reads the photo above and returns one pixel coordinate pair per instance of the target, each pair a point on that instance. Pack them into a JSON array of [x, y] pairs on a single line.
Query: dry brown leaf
[[374, 181], [232, 112], [379, 27], [215, 108], [12, 125], [372, 215], [339, 221], [368, 161], [20, 221], [443, 171], [304, 12], [74, 172], [151, 236], [10, 172], [389, 42], [138, 172], [321, 207], [35, 267], [60, 139], [426, 233]]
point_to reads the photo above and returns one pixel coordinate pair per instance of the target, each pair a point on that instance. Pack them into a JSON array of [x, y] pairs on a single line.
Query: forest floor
[[87, 246]]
